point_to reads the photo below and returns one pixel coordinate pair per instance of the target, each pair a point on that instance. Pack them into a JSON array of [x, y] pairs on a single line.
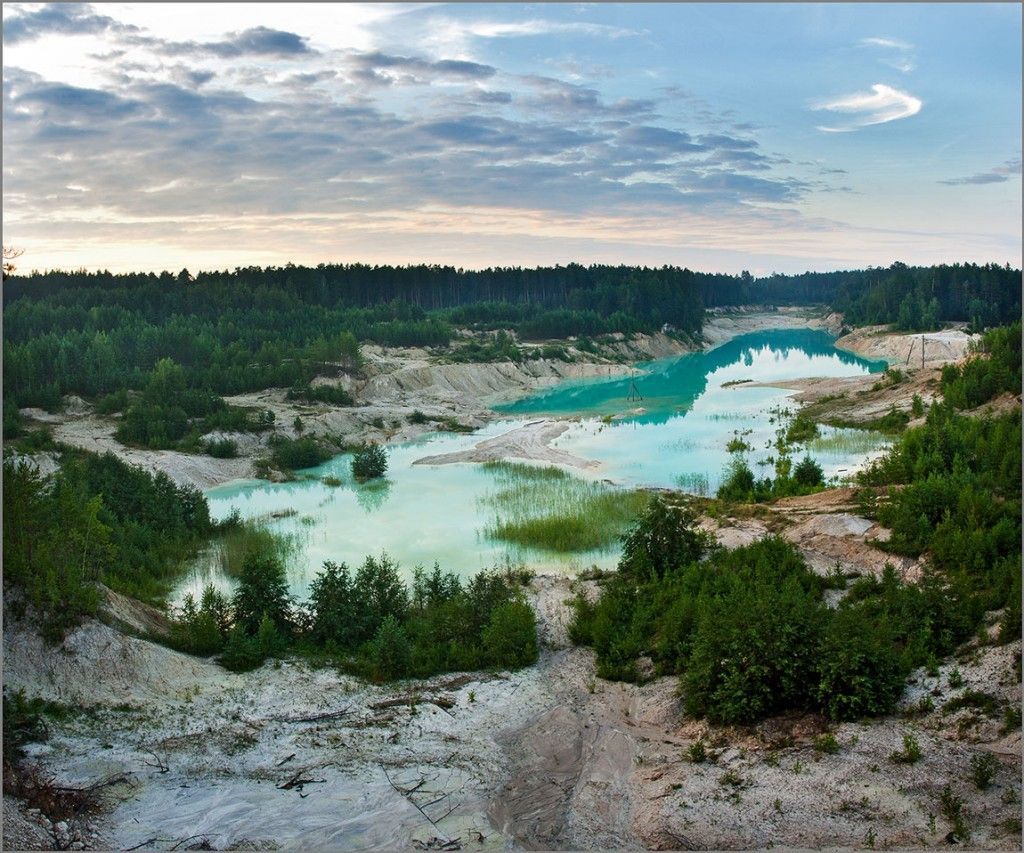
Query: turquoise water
[[422, 513]]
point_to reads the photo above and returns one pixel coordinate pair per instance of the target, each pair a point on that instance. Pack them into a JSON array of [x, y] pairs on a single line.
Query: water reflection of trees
[[373, 495]]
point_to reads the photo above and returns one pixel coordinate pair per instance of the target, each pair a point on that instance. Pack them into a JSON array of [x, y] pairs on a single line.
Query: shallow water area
[[674, 437]]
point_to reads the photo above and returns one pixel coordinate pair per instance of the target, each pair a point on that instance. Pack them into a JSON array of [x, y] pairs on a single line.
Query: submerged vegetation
[[547, 508]]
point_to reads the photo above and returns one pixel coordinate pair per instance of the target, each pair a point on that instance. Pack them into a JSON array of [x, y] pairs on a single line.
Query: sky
[[721, 137]]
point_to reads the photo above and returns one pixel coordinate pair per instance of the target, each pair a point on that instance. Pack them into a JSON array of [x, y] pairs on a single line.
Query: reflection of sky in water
[[427, 513]]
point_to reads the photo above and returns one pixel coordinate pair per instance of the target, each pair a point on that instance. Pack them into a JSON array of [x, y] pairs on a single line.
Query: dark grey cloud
[[647, 136], [384, 68], [257, 41], [62, 19], [998, 175]]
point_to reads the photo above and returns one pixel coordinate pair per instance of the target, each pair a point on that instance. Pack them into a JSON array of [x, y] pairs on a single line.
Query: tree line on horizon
[[98, 333]]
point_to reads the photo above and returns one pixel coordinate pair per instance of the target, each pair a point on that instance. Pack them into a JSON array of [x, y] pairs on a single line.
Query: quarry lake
[[673, 436]]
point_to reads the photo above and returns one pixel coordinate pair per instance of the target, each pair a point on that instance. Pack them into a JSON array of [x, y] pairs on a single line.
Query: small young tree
[[369, 462], [665, 538], [808, 473], [262, 591], [389, 652], [333, 606], [510, 638]]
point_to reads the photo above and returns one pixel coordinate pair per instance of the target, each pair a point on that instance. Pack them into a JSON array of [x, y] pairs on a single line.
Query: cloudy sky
[[761, 137]]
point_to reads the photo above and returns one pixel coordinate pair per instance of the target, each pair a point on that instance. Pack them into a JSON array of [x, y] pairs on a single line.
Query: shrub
[[417, 417], [983, 770], [241, 651], [666, 537], [753, 651], [697, 752], [859, 671], [390, 651], [510, 638], [369, 462], [911, 752], [289, 454], [333, 394], [262, 592], [808, 474], [23, 723], [802, 430], [738, 484], [952, 807], [224, 448], [826, 743]]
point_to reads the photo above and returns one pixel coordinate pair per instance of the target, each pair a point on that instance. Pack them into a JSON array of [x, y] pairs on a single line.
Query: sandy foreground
[[547, 757]]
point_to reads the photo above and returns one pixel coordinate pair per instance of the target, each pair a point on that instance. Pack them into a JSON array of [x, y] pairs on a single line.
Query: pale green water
[[427, 513]]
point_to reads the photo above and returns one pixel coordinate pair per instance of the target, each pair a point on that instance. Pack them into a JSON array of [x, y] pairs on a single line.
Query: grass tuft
[[548, 509]]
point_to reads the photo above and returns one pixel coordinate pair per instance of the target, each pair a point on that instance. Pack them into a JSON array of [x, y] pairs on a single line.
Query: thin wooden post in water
[[634, 393]]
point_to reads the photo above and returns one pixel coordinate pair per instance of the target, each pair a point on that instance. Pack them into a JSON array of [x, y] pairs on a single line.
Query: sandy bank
[[903, 349], [531, 442], [722, 325]]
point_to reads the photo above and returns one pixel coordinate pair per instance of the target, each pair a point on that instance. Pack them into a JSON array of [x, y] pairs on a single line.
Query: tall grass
[[548, 509], [520, 471], [694, 483], [845, 442], [248, 537]]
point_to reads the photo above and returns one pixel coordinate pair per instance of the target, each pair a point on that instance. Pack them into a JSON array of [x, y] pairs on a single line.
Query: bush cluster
[[95, 519], [747, 629], [368, 621]]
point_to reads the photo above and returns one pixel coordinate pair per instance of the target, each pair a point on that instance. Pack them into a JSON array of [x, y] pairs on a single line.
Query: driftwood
[[313, 718], [297, 782], [157, 762]]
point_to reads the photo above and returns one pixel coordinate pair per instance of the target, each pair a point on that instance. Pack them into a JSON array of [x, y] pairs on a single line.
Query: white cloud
[[899, 53], [456, 37], [882, 104]]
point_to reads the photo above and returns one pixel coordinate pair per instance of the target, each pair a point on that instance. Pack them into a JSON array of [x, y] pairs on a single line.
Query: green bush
[[291, 454], [859, 672], [23, 723], [333, 394], [241, 651], [808, 473], [984, 767], [390, 652], [224, 448], [369, 462], [826, 743], [911, 752], [262, 593], [664, 538], [510, 638]]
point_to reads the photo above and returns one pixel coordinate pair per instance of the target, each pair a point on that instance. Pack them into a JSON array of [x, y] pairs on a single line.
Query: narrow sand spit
[[531, 442]]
